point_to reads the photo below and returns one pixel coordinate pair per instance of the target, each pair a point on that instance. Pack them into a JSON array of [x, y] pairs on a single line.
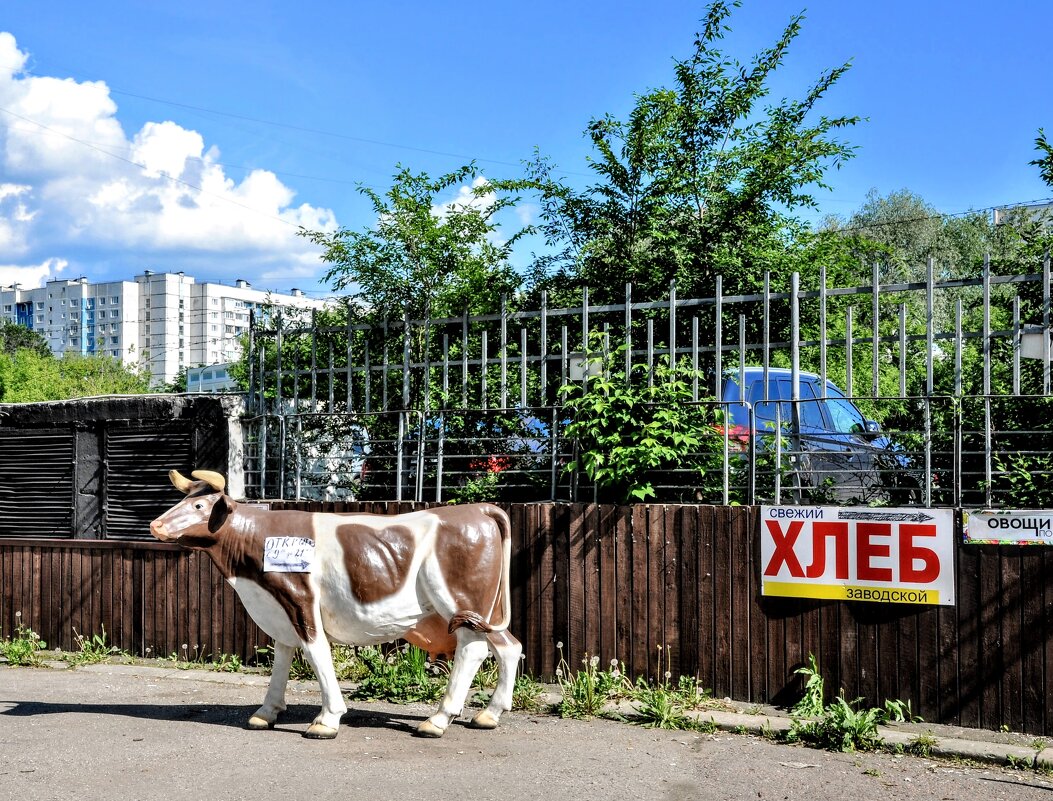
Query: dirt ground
[[118, 733]]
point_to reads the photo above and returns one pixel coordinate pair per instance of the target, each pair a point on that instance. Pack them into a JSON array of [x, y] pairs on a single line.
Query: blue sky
[[277, 114]]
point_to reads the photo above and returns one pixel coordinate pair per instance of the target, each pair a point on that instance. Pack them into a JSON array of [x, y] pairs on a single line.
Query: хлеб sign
[[858, 554]]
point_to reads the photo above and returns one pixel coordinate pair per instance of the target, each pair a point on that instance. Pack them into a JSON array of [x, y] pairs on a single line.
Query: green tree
[[423, 256], [1044, 162], [15, 337], [28, 376], [698, 180]]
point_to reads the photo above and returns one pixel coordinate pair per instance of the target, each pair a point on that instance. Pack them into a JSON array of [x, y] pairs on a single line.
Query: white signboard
[[288, 555], [858, 554], [1010, 527]]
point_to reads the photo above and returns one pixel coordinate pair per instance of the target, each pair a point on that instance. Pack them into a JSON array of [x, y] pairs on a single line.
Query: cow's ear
[[221, 509]]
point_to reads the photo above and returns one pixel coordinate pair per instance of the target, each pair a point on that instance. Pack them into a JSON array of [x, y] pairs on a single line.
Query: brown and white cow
[[437, 578]]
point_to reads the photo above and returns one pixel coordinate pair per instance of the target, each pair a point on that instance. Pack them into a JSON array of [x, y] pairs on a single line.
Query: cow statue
[[437, 578]]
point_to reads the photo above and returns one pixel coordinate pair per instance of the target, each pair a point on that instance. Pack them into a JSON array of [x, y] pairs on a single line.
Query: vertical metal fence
[[955, 372]]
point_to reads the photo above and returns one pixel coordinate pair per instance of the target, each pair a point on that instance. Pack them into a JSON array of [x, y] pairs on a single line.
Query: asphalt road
[[117, 732]]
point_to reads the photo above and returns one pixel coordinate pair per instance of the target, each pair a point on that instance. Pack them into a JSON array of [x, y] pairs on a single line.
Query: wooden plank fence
[[618, 583]]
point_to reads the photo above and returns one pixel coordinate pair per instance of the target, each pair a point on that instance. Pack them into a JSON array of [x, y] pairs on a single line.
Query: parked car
[[332, 459], [836, 453]]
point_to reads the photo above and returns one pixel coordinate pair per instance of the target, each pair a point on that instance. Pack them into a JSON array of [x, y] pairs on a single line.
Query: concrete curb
[[974, 748], [942, 746]]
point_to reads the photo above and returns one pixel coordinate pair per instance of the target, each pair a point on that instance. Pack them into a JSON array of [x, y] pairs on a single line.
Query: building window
[[113, 313], [114, 300], [113, 340], [102, 301]]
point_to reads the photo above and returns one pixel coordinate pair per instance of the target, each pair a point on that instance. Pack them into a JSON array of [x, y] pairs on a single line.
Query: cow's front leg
[[326, 723], [471, 651], [274, 701]]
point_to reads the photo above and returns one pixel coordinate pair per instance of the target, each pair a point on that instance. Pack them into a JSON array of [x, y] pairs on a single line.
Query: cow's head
[[196, 520]]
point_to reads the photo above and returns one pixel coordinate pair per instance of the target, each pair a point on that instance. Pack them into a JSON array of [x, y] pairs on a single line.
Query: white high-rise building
[[159, 322]]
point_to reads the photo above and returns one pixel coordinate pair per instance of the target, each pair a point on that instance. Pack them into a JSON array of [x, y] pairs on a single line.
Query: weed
[[25, 647], [871, 772], [900, 711], [922, 745], [93, 649], [526, 694], [811, 703], [665, 706], [300, 669], [661, 708], [403, 675], [841, 727], [226, 663], [487, 674], [585, 692], [1017, 763], [769, 733]]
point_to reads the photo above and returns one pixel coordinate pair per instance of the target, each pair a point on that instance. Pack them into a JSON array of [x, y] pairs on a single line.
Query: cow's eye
[[199, 505]]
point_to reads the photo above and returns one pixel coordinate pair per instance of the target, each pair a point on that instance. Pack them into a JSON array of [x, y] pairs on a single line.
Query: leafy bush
[[629, 428]]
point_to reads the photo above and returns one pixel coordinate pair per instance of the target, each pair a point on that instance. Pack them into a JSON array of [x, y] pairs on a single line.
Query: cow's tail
[[475, 621]]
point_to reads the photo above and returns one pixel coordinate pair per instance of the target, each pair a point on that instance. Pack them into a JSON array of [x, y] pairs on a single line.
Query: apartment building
[[160, 322]]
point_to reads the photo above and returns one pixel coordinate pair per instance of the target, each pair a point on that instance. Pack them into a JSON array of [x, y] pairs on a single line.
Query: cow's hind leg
[[326, 723], [506, 650], [470, 653], [274, 701]]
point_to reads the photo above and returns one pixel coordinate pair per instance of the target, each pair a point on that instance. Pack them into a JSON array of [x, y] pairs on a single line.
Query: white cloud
[[468, 197], [78, 182], [31, 276]]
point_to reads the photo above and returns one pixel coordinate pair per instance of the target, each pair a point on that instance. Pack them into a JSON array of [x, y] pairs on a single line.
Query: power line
[[302, 128]]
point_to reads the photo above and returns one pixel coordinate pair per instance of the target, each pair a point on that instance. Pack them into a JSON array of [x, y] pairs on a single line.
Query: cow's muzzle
[[157, 528]]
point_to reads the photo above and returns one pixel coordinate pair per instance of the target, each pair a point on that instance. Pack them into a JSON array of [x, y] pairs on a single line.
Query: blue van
[[836, 451]]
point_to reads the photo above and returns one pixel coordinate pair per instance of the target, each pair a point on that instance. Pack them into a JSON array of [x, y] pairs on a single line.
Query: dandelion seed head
[[559, 644]]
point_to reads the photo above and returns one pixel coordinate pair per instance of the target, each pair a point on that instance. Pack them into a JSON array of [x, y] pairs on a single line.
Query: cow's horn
[[214, 480], [179, 481]]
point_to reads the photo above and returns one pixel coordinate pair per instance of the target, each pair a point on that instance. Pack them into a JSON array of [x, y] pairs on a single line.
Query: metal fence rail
[[444, 405]]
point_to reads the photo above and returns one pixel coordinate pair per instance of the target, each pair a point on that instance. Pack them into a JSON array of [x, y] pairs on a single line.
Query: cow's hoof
[[484, 720], [429, 729], [319, 731], [257, 723]]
